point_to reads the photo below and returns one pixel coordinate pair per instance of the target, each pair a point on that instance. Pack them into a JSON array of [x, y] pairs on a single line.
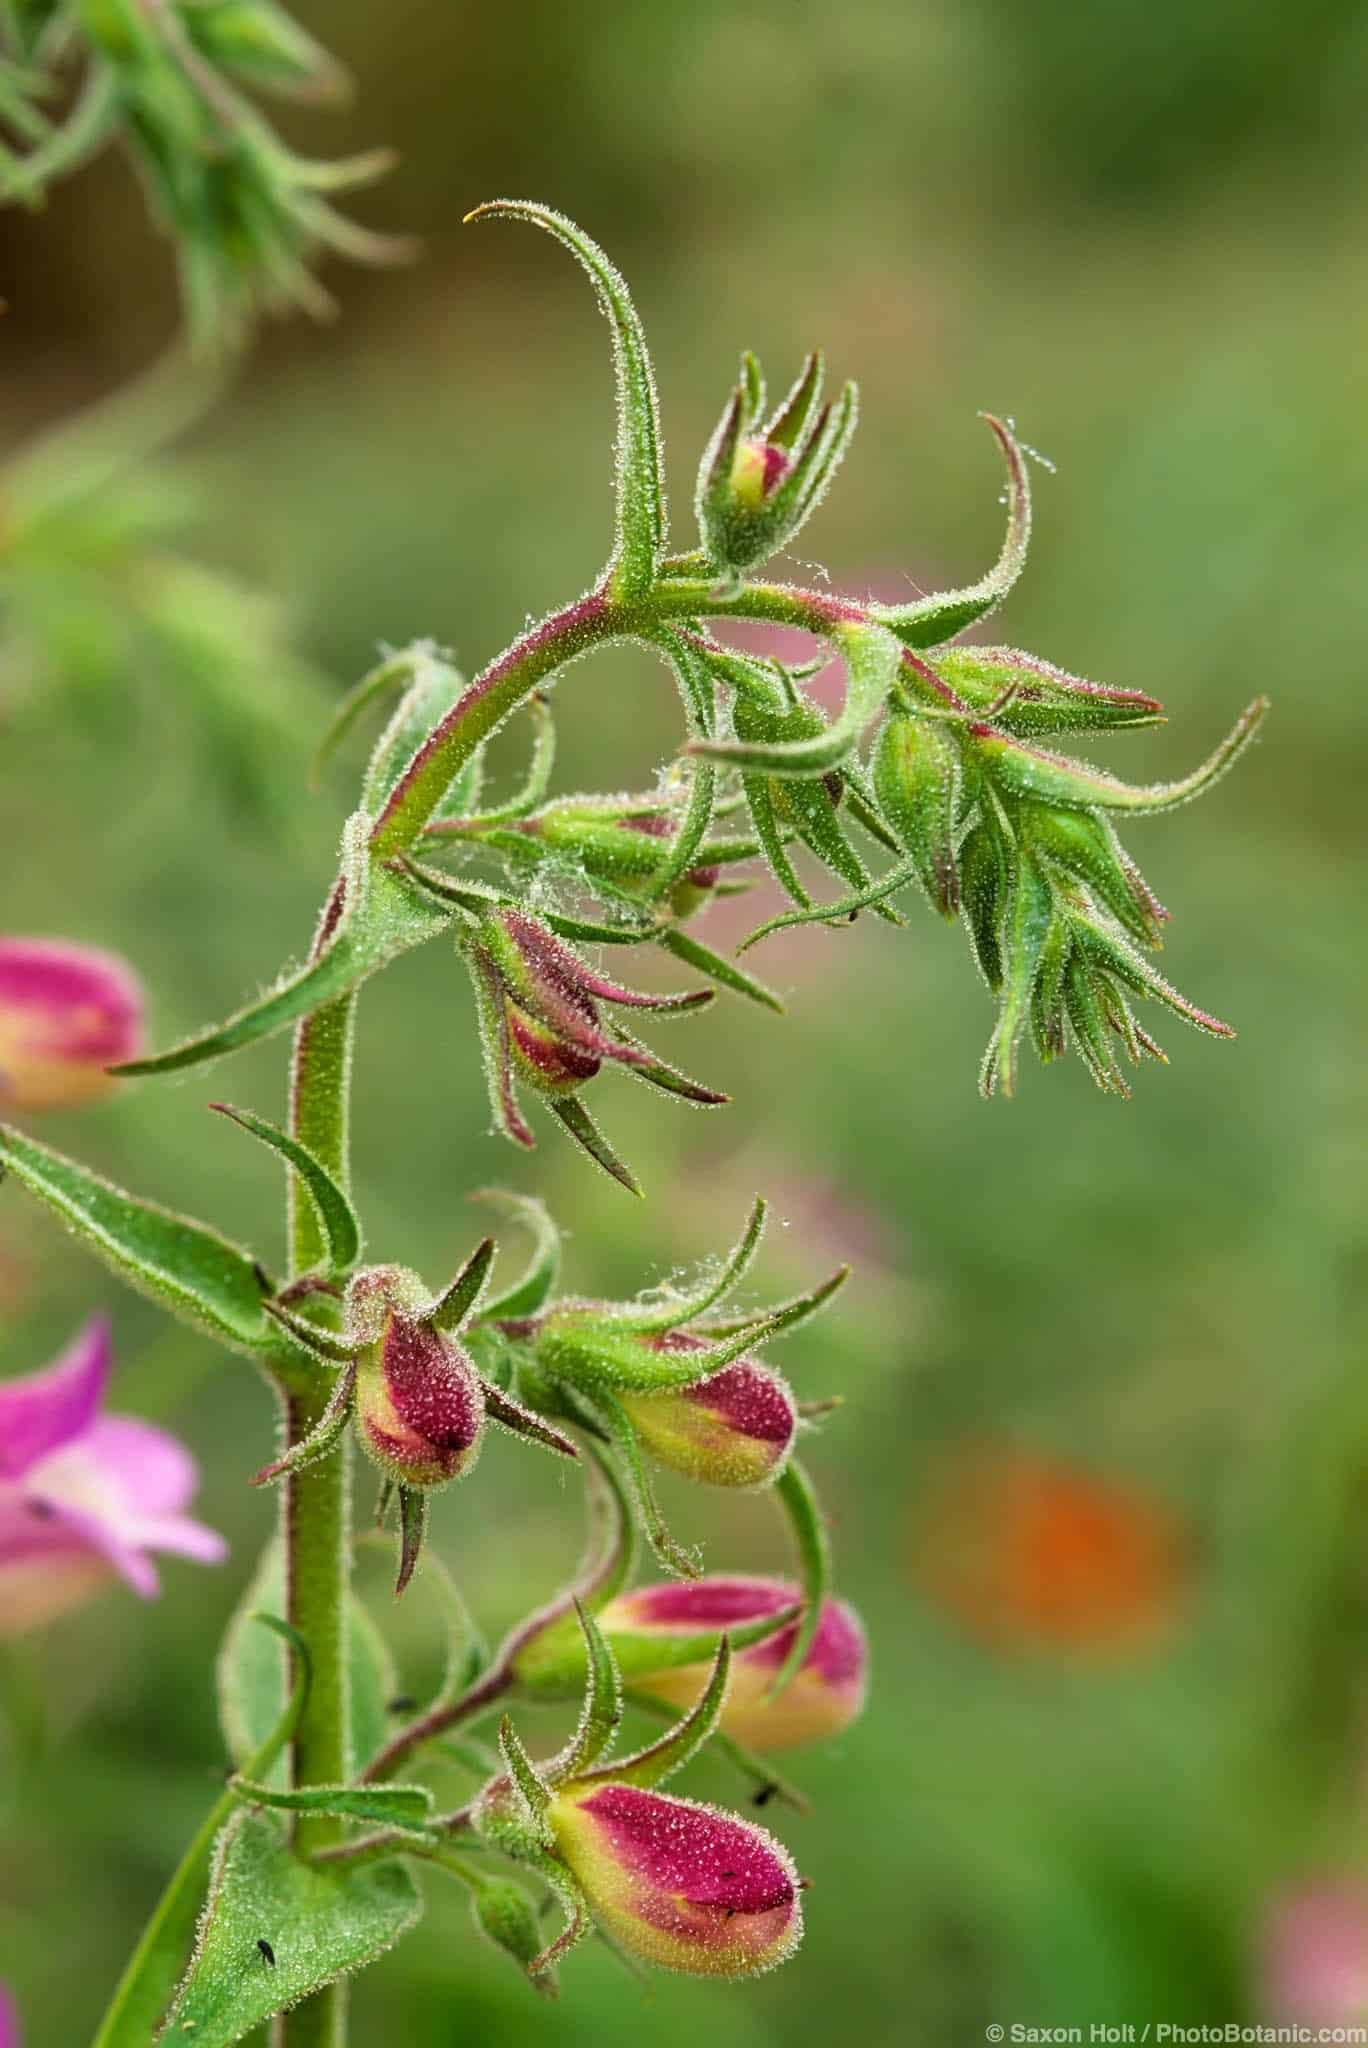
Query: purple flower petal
[[150, 1467], [66, 1014], [47, 1409]]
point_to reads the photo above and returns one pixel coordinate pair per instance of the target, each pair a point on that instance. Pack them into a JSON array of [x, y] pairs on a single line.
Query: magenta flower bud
[[734, 1429], [758, 468], [419, 1403], [84, 1495], [822, 1698], [676, 1883], [66, 1014]]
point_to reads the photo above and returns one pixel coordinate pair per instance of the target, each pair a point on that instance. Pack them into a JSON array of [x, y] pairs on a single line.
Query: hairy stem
[[316, 1502]]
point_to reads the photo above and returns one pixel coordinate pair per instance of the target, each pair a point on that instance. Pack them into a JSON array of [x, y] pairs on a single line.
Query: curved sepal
[[601, 1712], [1049, 778], [661, 1759], [457, 1304], [534, 1794], [321, 1439], [932, 620], [677, 1309], [724, 972], [812, 1541], [872, 661]]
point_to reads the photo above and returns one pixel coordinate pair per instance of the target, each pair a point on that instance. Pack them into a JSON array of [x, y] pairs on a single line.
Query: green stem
[[316, 1502]]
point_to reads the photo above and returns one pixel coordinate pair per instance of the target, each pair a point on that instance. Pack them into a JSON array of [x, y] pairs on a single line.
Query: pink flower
[[821, 1699], [66, 1014], [84, 1494], [677, 1883], [734, 1429], [1316, 1954], [9, 2020]]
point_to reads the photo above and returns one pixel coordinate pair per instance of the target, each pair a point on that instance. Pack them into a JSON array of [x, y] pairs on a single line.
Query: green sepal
[[336, 1216], [1048, 1015], [384, 914], [639, 542], [678, 1309], [1110, 952], [534, 1289], [408, 1807], [1044, 699], [812, 1539], [608, 1413], [187, 1267], [321, 1925], [1026, 923], [460, 1300], [724, 972], [1048, 778], [260, 44], [324, 1437], [916, 781], [932, 620], [552, 1665], [601, 1712], [1084, 844], [661, 1759], [585, 1131], [506, 1914], [983, 890], [533, 1793], [900, 876], [1088, 1023], [157, 1963], [872, 660]]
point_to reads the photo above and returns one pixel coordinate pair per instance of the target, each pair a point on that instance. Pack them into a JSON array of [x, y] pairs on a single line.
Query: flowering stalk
[[955, 796]]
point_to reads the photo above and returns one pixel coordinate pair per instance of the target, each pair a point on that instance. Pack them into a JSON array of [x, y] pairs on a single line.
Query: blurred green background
[[1139, 231]]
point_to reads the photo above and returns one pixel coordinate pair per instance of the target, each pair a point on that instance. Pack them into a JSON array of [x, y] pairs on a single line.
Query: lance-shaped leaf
[[533, 1290], [155, 1967], [336, 1217], [408, 1807], [1043, 698], [675, 1310], [533, 1792], [1055, 779], [458, 1303], [382, 913], [201, 1277], [803, 1510], [602, 1708], [321, 1923], [640, 526], [872, 661], [661, 1759], [932, 620], [1026, 923]]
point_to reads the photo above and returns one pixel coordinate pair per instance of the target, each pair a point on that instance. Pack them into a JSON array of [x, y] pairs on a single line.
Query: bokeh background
[[1100, 1484]]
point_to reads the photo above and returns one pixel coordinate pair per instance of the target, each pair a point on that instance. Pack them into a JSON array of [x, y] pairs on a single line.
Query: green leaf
[[805, 1518], [384, 914], [640, 535], [394, 1806], [252, 1678], [336, 1217], [159, 1959], [938, 618], [189, 1268], [320, 1924], [1050, 778]]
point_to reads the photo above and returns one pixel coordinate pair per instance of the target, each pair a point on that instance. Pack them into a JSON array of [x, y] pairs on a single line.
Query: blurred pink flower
[[1315, 1954], [9, 2020], [83, 1494], [66, 1013]]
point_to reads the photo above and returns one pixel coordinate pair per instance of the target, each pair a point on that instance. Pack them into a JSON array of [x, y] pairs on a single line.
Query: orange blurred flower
[[1024, 1550]]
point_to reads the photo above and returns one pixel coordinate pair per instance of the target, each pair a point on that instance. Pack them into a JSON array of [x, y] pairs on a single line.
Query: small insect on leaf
[[266, 1952]]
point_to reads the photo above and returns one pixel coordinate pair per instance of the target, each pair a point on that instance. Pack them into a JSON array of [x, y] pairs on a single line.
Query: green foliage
[[319, 1923]]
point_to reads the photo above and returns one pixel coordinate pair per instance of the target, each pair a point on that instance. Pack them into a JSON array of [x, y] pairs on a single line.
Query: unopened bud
[[419, 1403]]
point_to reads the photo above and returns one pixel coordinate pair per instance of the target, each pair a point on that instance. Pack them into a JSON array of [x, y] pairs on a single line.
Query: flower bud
[[419, 1404], [734, 1429], [821, 1699], [758, 483], [66, 1014], [677, 1883], [916, 781]]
